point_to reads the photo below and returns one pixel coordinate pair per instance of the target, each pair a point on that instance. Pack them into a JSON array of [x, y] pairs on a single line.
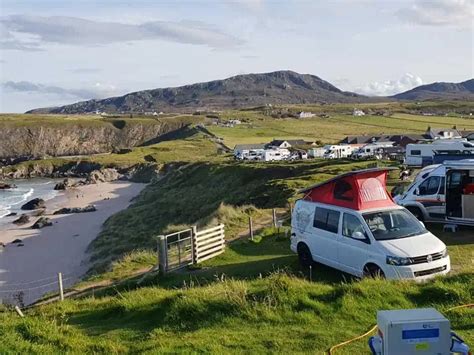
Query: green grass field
[[254, 298], [262, 129]]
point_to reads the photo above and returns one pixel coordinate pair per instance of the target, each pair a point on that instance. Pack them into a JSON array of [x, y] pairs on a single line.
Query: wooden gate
[[209, 243], [189, 246]]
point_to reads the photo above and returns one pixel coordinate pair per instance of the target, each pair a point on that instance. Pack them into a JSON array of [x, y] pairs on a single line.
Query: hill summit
[[247, 90], [446, 91]]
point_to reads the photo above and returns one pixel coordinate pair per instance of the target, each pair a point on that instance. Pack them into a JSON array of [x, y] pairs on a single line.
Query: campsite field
[[262, 129]]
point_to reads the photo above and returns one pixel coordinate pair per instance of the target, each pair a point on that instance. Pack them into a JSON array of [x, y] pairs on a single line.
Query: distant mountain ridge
[[441, 90], [247, 90], [279, 87]]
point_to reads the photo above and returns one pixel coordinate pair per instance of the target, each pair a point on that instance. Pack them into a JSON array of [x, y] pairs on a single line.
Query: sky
[[55, 52]]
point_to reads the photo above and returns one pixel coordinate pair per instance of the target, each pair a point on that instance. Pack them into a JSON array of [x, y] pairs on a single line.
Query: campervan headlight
[[397, 261]]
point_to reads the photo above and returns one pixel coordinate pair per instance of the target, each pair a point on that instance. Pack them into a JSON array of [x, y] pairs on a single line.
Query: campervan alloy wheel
[[304, 255], [373, 271]]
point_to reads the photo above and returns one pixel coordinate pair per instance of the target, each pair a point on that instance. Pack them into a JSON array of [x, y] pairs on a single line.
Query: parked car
[[352, 224]]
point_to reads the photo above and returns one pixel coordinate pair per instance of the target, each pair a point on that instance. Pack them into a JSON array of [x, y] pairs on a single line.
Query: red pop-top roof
[[358, 190]]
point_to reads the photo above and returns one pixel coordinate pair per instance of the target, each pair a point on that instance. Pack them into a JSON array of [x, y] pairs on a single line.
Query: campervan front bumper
[[419, 272]]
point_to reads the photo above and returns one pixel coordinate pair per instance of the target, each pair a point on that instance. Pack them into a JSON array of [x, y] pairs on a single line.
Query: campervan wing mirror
[[417, 191], [358, 236]]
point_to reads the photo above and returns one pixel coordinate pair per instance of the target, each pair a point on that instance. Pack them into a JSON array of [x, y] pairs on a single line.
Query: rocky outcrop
[[23, 219], [103, 175], [34, 204], [63, 185], [5, 186], [143, 173], [70, 138], [41, 223], [66, 210]]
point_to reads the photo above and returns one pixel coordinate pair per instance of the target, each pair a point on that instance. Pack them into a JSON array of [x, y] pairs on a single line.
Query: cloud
[[97, 91], [85, 70], [390, 87], [456, 13], [83, 32], [254, 6]]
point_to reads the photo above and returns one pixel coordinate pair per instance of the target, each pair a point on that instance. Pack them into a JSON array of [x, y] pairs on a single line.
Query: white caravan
[[276, 154], [370, 150], [423, 154], [338, 151], [443, 192], [317, 152]]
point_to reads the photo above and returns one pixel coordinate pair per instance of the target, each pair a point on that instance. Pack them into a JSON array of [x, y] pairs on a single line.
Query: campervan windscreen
[[393, 224]]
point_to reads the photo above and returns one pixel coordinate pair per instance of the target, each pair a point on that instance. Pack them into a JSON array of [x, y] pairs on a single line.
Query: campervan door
[[460, 191]]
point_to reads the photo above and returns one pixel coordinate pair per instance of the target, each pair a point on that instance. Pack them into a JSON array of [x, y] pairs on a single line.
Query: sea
[[11, 200]]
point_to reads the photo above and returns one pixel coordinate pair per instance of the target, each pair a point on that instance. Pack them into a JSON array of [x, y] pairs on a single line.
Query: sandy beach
[[30, 271]]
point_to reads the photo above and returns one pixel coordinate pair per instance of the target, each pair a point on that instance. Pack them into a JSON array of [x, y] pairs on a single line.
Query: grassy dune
[[256, 308]]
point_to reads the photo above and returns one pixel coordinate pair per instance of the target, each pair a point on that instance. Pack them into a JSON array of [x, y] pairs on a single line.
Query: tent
[[358, 190]]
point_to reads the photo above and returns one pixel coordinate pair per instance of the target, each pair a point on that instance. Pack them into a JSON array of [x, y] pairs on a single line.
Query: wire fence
[[22, 294]]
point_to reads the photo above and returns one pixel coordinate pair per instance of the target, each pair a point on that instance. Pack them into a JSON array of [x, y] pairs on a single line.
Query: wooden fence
[[190, 246]]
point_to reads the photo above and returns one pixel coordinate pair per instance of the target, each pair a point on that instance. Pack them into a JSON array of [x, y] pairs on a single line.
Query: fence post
[[274, 218], [18, 310], [193, 244], [60, 283], [162, 262], [250, 228]]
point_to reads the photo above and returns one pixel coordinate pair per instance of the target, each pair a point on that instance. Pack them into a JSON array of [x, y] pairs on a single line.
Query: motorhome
[[442, 193], [275, 154], [370, 150], [352, 224], [423, 154], [317, 152], [338, 151]]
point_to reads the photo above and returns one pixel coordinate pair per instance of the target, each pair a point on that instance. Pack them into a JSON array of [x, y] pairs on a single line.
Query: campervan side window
[[415, 152], [326, 219]]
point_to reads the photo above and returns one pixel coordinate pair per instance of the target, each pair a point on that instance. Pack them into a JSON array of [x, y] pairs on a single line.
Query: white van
[[423, 154], [443, 192], [370, 150], [386, 241], [338, 151]]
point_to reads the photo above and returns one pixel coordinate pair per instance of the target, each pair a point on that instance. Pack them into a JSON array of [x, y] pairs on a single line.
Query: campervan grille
[[424, 259], [430, 271]]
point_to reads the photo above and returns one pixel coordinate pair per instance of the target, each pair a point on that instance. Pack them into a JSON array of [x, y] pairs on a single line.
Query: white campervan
[[350, 223], [338, 151], [423, 154], [443, 192], [276, 154], [369, 150]]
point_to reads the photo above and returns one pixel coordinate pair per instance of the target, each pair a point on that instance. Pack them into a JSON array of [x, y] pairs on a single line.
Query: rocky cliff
[[76, 138]]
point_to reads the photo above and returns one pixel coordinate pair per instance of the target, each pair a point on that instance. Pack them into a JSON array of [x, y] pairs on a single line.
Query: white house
[[443, 133], [279, 143], [358, 112]]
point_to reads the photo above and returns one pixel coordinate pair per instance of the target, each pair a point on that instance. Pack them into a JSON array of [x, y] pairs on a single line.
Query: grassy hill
[[252, 299], [259, 127]]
